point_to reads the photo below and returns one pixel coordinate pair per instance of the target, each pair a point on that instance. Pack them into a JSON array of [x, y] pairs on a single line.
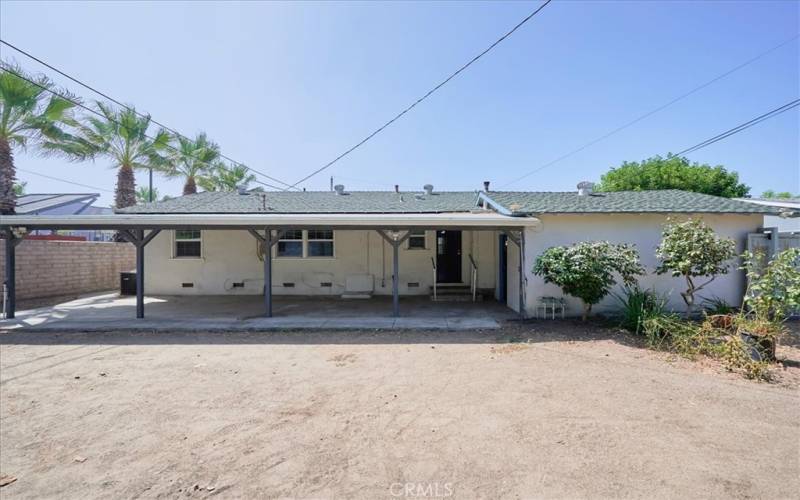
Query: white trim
[[433, 221], [186, 257]]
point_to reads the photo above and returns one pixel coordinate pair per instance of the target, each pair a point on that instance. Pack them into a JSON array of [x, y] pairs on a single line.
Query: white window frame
[[304, 244], [302, 241], [175, 241], [424, 237]]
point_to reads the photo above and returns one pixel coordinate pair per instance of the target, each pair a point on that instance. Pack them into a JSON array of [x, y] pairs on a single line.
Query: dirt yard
[[539, 410]]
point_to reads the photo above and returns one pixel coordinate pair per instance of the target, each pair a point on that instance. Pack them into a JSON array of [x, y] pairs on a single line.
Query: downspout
[[522, 278]]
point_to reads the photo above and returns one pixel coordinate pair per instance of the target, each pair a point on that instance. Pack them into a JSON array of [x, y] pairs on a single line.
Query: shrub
[[716, 305], [691, 249], [637, 305], [587, 270], [773, 290]]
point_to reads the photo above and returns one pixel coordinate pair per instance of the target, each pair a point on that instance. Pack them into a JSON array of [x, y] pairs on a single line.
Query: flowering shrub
[[587, 270]]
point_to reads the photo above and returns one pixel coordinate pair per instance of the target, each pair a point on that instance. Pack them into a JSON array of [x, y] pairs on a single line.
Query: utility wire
[[104, 117], [652, 112], [118, 103], [415, 103], [740, 128], [64, 180]]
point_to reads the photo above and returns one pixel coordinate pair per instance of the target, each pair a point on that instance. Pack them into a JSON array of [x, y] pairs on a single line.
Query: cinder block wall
[[51, 268]]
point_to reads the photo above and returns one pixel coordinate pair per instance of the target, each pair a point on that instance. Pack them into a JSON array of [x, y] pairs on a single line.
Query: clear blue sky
[[287, 87]]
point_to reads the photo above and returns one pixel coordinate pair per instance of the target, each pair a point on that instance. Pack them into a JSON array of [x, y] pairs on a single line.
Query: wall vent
[[326, 284], [288, 285], [187, 285], [238, 284], [413, 285]]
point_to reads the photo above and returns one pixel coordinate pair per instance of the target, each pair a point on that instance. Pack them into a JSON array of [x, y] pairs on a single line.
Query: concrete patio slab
[[110, 311]]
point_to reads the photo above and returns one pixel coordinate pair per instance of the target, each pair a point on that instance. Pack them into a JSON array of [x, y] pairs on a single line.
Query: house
[[784, 224], [426, 242], [65, 204]]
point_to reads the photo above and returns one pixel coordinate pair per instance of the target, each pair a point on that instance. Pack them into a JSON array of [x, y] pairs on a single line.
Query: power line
[[65, 180], [118, 103], [740, 128], [101, 115], [654, 111], [415, 103]]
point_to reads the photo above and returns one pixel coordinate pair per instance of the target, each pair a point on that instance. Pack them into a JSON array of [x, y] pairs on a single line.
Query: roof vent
[[339, 188], [242, 189], [486, 186], [585, 188], [428, 189]]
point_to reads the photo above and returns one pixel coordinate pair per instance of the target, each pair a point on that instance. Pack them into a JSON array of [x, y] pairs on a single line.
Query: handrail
[[474, 278], [433, 263]]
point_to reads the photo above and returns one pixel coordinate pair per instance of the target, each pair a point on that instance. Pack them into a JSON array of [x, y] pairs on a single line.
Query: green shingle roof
[[309, 202], [666, 201]]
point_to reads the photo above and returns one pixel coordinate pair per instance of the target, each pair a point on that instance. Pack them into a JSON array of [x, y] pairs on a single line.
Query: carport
[[140, 229]]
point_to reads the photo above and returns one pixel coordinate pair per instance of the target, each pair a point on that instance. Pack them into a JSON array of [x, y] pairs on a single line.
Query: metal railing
[[474, 278], [433, 263]]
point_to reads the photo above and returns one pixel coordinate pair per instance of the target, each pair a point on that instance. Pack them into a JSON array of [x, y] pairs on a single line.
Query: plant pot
[[721, 321], [759, 348]]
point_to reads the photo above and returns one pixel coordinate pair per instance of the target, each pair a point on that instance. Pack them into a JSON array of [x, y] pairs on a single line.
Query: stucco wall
[[52, 268], [644, 231], [230, 257]]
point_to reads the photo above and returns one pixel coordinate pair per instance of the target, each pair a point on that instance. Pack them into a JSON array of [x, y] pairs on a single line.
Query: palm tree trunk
[[8, 199], [190, 187], [125, 195]]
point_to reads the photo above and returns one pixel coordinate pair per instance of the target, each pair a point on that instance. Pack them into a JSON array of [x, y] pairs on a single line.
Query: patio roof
[[474, 220]]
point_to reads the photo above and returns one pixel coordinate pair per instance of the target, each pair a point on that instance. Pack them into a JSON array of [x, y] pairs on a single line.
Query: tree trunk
[[126, 188], [688, 297], [8, 199], [587, 308], [190, 187]]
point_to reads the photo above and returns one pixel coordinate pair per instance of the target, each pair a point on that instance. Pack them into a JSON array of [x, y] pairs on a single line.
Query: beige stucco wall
[[644, 231], [230, 256], [53, 268]]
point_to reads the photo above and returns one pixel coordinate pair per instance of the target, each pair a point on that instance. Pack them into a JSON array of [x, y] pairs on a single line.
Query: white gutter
[[274, 220]]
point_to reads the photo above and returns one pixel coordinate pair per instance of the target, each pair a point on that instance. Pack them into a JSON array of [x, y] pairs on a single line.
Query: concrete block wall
[[52, 268]]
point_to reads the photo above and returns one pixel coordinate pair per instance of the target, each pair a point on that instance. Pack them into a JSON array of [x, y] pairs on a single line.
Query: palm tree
[[192, 159], [143, 194], [224, 178], [121, 137], [28, 112]]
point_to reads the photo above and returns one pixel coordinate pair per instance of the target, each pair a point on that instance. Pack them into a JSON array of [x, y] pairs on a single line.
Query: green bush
[[638, 304]]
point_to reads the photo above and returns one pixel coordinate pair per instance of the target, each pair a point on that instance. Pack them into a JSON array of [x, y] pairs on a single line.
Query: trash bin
[[127, 283]]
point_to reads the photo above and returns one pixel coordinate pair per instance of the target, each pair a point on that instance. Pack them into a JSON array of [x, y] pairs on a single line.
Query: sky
[[287, 87]]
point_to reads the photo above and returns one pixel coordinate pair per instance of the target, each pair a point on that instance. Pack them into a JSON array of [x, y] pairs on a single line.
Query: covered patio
[[110, 311], [395, 229]]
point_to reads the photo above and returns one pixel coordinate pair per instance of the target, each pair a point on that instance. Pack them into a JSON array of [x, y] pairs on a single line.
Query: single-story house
[[426, 242]]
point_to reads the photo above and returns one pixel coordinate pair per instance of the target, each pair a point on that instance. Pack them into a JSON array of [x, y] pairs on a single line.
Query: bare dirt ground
[[534, 410]]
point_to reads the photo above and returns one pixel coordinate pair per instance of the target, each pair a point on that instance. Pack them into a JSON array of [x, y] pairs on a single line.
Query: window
[[320, 243], [291, 244], [417, 239], [188, 244], [306, 244]]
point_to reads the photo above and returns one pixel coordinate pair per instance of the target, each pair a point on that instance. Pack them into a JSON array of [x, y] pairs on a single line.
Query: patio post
[[395, 240], [11, 274], [268, 272], [139, 240]]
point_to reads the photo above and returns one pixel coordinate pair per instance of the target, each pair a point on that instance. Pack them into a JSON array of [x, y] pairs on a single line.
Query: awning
[[466, 220]]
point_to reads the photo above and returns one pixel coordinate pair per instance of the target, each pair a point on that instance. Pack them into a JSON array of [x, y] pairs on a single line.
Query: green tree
[[773, 289], [587, 270], [19, 188], [783, 195], [143, 194], [224, 178], [691, 249], [121, 137], [29, 115], [673, 172], [192, 159]]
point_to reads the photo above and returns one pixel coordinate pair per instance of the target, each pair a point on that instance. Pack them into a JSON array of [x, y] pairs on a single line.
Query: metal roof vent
[[339, 188], [428, 189], [585, 188], [242, 189]]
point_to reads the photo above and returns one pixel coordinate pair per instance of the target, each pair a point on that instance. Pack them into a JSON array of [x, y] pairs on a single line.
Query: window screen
[[291, 244], [188, 243], [417, 239], [320, 243]]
